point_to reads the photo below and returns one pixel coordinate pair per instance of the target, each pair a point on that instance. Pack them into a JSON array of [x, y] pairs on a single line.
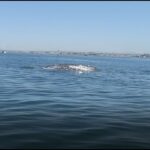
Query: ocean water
[[45, 103]]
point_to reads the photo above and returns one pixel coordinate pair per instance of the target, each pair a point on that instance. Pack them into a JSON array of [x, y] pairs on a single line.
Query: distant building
[[3, 52]]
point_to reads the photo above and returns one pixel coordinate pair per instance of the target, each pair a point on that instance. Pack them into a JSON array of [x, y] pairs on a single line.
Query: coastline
[[68, 53]]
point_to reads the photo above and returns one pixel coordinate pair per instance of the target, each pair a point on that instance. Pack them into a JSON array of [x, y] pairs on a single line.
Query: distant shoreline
[[64, 53]]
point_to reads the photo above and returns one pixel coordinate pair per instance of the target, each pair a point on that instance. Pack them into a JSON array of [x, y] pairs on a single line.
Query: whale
[[70, 67]]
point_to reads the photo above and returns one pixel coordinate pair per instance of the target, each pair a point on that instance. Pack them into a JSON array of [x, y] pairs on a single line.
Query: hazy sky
[[75, 26]]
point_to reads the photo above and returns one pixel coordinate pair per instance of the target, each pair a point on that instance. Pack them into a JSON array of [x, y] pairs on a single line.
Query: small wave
[[70, 67], [27, 67]]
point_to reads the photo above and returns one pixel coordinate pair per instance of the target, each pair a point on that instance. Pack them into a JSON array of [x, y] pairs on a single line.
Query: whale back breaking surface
[[70, 67]]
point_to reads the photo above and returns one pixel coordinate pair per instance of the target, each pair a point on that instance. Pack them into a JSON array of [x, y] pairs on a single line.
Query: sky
[[104, 26]]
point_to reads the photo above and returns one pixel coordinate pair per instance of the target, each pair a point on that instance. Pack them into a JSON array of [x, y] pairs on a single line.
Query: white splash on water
[[81, 67]]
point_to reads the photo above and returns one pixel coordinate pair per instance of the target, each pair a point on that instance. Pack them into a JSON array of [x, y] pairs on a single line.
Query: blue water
[[105, 108]]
